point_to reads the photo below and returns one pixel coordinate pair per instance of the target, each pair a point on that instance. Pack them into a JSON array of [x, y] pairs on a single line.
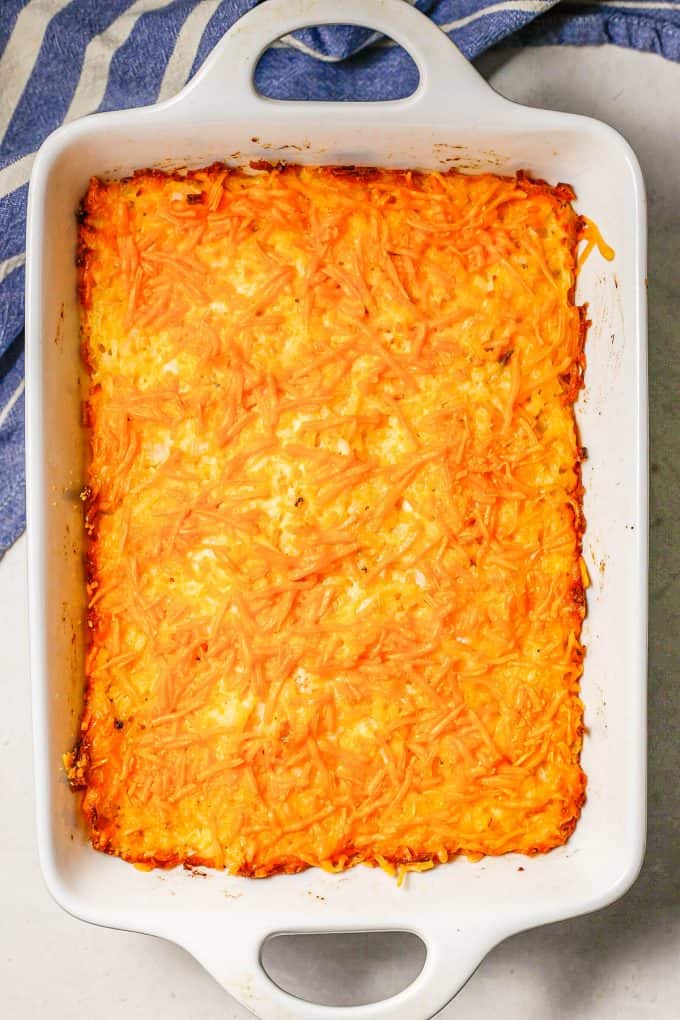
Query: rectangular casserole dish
[[453, 119]]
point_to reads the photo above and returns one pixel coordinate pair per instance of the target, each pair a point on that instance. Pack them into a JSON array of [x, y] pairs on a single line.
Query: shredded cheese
[[334, 506]]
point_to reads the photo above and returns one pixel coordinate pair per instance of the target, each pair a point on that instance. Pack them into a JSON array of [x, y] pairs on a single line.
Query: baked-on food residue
[[335, 515]]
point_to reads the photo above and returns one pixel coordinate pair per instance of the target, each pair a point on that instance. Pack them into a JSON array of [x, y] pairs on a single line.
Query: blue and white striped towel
[[60, 59]]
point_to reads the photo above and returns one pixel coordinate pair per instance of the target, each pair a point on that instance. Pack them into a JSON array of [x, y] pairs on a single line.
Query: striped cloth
[[60, 59]]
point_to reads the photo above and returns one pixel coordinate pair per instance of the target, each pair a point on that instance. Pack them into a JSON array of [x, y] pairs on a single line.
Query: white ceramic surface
[[463, 909]]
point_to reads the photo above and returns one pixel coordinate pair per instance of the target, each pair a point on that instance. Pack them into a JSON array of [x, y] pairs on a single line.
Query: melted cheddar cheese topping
[[334, 505]]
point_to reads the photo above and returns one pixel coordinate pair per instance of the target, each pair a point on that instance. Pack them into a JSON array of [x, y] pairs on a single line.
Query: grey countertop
[[618, 964]]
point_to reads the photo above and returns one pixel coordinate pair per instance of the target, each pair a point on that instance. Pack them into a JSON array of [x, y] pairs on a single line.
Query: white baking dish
[[453, 119]]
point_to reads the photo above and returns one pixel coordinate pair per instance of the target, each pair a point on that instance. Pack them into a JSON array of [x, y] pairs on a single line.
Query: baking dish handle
[[453, 954], [224, 84]]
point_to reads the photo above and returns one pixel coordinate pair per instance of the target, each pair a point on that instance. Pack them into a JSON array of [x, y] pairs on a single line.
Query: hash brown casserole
[[334, 507]]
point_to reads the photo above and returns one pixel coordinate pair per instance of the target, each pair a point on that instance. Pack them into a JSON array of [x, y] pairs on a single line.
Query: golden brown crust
[[217, 306]]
